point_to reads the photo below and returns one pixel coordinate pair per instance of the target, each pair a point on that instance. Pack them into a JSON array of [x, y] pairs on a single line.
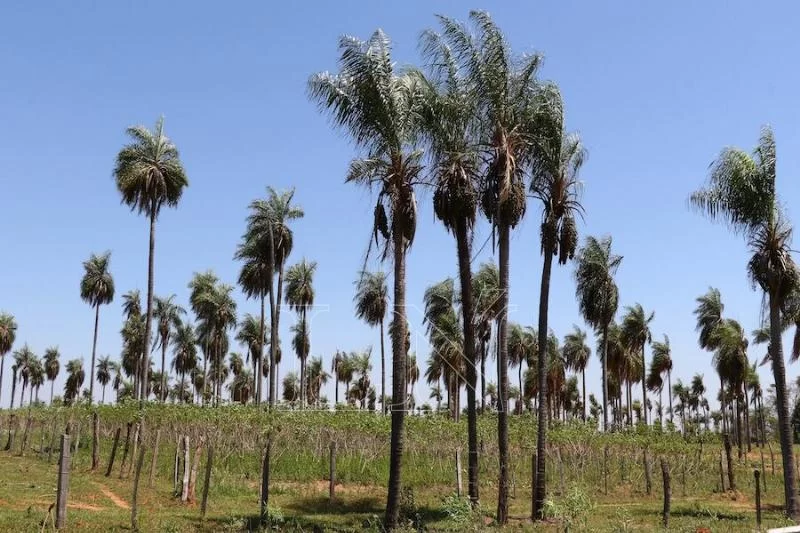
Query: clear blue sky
[[656, 90]]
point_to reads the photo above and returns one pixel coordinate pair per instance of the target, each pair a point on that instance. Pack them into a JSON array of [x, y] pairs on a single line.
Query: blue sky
[[656, 90]]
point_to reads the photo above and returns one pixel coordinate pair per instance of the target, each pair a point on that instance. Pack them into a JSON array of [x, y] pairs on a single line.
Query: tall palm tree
[[75, 378], [184, 345], [291, 388], [450, 128], [523, 347], [300, 297], [23, 359], [316, 378], [708, 314], [662, 364], [378, 108], [635, 335], [412, 375], [250, 336], [486, 288], [730, 362], [36, 370], [149, 174], [255, 279], [167, 315], [510, 102], [372, 301], [741, 192], [218, 315], [337, 364], [576, 355], [8, 334], [51, 367], [97, 288], [201, 284], [344, 372], [103, 374], [598, 296], [268, 228]]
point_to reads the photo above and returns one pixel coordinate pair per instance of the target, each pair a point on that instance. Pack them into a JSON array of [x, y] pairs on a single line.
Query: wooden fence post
[[332, 472], [186, 466], [458, 473], [605, 469], [667, 491], [154, 462], [209, 462], [265, 482], [533, 485], [648, 480], [175, 486], [729, 456], [721, 474], [757, 474], [763, 470], [95, 441], [136, 476], [125, 449], [113, 452], [63, 482]]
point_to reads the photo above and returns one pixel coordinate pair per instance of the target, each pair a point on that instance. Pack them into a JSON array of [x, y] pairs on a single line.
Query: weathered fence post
[[136, 476], [209, 462], [186, 466], [458, 472], [265, 482], [667, 491], [533, 485], [648, 480], [63, 483], [25, 434], [771, 457], [95, 441], [721, 474], [605, 469], [757, 475], [52, 442], [113, 452], [729, 456], [175, 486], [763, 470], [332, 472], [125, 449], [154, 462], [77, 443]]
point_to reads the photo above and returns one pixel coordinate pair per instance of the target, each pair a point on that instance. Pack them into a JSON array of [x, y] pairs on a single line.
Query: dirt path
[[119, 502]]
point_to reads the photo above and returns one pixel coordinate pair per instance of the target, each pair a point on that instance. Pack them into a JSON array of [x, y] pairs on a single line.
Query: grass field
[[299, 487]]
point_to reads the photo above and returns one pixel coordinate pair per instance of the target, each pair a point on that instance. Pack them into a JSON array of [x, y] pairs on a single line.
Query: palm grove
[[477, 126]]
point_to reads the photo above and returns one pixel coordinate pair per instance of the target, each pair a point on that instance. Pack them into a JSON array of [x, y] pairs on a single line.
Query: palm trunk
[[274, 332], [258, 386], [2, 369], [644, 387], [468, 312], [383, 374], [145, 363], [782, 406], [52, 384], [164, 368], [605, 374], [398, 376], [94, 351], [13, 387], [206, 355], [303, 355], [22, 394], [583, 397], [747, 418], [102, 398], [722, 406], [483, 375], [669, 393], [537, 513], [273, 349], [502, 379]]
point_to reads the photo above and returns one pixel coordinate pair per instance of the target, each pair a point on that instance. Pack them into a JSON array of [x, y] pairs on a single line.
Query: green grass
[[299, 489]]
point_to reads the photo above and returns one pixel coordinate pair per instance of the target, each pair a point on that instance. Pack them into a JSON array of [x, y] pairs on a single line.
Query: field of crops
[[596, 481]]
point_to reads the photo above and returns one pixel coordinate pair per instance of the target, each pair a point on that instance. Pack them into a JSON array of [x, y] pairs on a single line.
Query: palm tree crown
[[97, 285]]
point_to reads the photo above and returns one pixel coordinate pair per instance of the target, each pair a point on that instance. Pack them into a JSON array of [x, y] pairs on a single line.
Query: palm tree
[[200, 286], [51, 367], [184, 345], [344, 373], [662, 364], [378, 108], [167, 315], [337, 364], [217, 316], [635, 335], [598, 296], [36, 371], [576, 355], [523, 347], [269, 232], [316, 377], [486, 288], [75, 377], [255, 279], [300, 296], [450, 127], [149, 175], [250, 336], [372, 301], [104, 374], [23, 359], [510, 102], [730, 362], [291, 388], [97, 288], [709, 316], [741, 192], [8, 334], [412, 375]]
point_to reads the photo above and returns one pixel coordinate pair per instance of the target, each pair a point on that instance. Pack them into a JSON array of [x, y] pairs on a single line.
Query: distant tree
[[8, 334], [97, 288], [75, 378]]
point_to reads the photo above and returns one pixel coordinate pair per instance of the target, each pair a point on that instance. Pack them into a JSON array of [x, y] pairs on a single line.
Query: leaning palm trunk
[[541, 430], [145, 359], [398, 376], [502, 364], [782, 406], [94, 351]]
